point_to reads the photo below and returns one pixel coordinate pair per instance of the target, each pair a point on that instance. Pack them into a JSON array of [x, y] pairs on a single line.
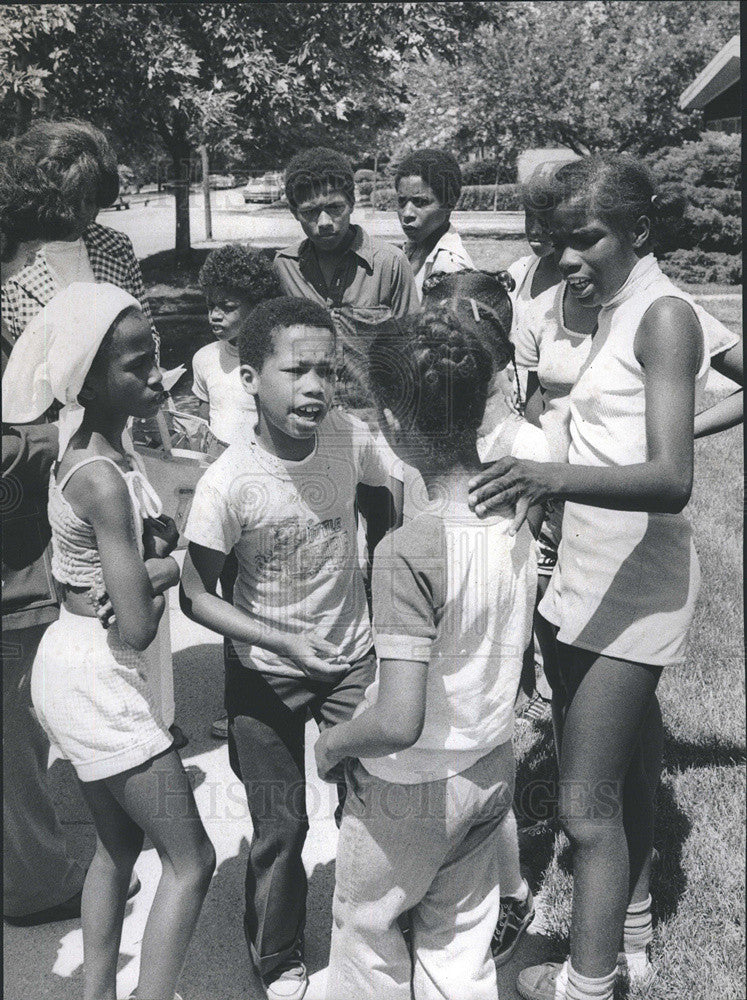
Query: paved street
[[151, 227]]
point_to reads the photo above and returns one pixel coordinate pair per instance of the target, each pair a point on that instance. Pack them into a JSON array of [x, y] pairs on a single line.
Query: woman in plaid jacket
[[72, 175]]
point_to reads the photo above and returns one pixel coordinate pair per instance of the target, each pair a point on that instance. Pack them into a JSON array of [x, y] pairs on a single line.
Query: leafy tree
[[591, 75], [259, 76]]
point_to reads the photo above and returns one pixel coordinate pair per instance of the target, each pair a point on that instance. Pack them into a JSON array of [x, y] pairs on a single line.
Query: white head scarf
[[53, 355]]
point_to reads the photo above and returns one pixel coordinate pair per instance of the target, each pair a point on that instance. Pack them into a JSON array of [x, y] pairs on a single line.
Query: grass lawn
[[698, 886]]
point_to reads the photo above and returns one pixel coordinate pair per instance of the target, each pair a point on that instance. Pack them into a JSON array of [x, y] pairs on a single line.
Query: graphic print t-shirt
[[292, 526]]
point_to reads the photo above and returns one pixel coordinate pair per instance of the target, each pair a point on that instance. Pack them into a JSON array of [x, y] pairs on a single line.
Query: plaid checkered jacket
[[112, 259]]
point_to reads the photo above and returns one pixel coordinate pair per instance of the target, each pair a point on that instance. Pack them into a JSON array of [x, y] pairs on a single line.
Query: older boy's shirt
[[370, 273], [448, 256], [292, 526]]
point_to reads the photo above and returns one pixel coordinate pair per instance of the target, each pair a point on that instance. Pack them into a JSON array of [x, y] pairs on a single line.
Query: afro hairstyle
[[436, 168], [242, 270], [315, 170]]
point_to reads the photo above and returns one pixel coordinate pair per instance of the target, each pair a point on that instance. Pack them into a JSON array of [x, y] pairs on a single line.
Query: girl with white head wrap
[[53, 355], [98, 692]]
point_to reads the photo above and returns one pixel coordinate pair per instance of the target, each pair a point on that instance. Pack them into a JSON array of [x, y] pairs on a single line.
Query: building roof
[[722, 72]]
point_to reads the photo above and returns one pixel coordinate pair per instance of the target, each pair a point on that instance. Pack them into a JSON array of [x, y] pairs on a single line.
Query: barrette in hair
[[654, 199], [475, 310]]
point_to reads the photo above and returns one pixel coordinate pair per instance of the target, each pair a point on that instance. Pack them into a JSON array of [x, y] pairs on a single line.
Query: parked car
[[267, 188], [220, 182]]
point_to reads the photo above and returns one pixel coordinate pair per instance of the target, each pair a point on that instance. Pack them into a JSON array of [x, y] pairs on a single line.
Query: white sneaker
[[290, 980]]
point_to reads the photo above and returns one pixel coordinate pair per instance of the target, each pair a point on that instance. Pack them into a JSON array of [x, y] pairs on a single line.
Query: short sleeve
[[407, 584], [213, 522], [718, 338], [377, 463], [526, 343], [531, 444], [199, 382]]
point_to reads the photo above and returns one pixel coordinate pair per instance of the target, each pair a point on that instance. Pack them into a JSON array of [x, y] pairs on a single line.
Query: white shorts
[[97, 698]]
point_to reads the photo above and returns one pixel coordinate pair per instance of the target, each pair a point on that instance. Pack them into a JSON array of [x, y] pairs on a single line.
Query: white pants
[[430, 849]]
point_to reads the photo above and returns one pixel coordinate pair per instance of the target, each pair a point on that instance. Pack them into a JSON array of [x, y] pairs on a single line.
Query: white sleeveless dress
[[626, 582], [98, 699]]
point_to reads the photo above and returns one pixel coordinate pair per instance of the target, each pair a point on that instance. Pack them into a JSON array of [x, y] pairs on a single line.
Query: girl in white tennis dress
[[623, 592], [95, 683]]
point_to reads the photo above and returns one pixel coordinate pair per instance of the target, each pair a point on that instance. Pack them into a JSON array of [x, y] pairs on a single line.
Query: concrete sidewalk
[[45, 963]]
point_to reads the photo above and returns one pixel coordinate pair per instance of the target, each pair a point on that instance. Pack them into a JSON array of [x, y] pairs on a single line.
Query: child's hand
[[327, 765], [318, 658], [105, 610], [510, 482], [160, 537]]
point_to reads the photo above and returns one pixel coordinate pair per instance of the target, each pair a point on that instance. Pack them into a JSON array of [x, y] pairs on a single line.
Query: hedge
[[698, 221], [474, 198], [484, 171], [697, 267]]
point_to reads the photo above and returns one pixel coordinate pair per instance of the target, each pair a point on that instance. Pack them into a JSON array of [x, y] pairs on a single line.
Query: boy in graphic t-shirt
[[298, 631]]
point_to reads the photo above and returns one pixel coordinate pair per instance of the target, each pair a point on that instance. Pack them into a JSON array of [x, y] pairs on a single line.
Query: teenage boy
[[298, 630], [337, 263]]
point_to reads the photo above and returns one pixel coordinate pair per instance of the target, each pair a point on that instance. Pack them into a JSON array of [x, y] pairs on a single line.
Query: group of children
[[416, 711]]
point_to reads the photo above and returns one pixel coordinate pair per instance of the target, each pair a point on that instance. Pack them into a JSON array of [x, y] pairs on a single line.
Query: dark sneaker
[[289, 980], [219, 728], [514, 918]]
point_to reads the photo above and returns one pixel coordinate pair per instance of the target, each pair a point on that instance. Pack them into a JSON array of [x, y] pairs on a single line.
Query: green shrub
[[699, 267], [474, 198], [700, 204], [482, 197], [714, 160], [484, 171], [384, 199]]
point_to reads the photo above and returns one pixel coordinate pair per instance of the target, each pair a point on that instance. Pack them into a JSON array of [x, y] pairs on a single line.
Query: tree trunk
[[375, 182], [206, 191], [180, 158]]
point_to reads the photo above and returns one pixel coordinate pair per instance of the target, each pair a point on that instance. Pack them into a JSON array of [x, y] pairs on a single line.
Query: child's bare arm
[[101, 497], [726, 412], [200, 602], [534, 402], [394, 723]]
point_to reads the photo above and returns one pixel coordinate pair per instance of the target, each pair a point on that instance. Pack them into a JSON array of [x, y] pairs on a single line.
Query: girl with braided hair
[[428, 828]]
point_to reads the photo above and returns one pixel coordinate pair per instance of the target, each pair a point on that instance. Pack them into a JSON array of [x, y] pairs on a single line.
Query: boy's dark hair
[[242, 270], [434, 373], [617, 188], [256, 341], [314, 170], [438, 169], [64, 160]]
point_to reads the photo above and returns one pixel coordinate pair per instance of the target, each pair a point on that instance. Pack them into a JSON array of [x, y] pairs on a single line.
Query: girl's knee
[[195, 868], [585, 833]]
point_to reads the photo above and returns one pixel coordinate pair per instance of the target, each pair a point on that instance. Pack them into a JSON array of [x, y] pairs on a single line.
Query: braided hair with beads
[[433, 373]]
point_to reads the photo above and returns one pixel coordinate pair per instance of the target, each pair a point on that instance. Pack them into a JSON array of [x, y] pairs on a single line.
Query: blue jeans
[[429, 849]]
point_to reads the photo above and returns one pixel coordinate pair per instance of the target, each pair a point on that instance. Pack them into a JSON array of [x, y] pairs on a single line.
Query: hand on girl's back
[[327, 768], [509, 482]]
